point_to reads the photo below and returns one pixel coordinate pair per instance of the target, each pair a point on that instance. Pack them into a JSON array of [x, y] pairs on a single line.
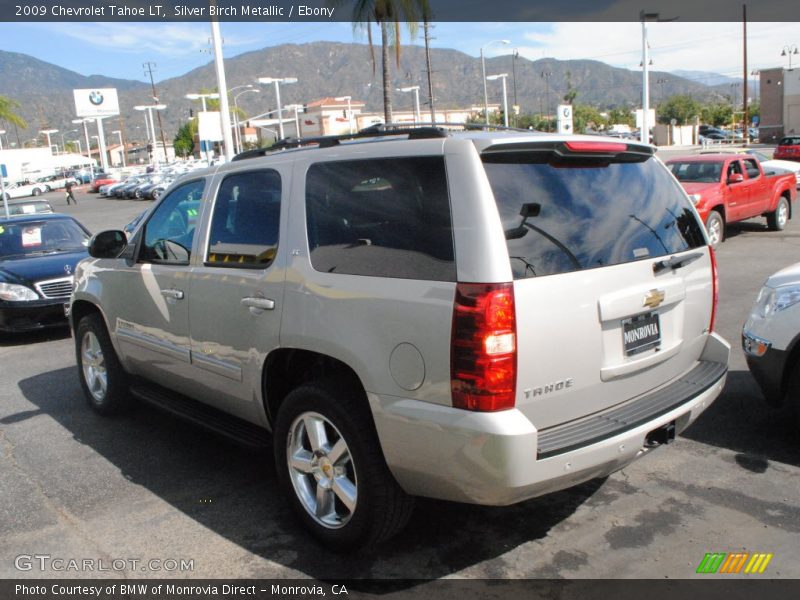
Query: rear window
[[696, 171], [578, 216], [790, 141], [381, 218]]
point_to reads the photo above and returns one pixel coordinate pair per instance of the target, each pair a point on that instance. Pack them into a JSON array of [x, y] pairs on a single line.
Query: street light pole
[[47, 132], [121, 146], [202, 98], [546, 76], [238, 140], [483, 73], [2, 131], [502, 76], [788, 51], [415, 89], [349, 110], [277, 82]]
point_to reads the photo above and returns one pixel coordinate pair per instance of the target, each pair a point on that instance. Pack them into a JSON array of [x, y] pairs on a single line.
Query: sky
[[119, 49]]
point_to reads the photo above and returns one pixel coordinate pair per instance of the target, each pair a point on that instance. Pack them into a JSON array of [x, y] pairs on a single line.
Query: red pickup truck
[[727, 188]]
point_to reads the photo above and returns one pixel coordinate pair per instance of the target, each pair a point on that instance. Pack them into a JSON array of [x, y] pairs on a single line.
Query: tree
[[571, 93], [584, 116], [8, 112], [717, 114], [621, 116], [184, 140], [388, 15], [682, 108]]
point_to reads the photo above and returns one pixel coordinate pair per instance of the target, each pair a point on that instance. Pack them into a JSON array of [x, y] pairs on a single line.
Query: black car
[[38, 254]]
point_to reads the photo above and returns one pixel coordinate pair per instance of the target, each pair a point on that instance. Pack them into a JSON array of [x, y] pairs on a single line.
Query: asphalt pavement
[[146, 486]]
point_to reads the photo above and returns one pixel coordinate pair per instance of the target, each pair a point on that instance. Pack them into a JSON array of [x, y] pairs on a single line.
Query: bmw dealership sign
[[96, 103]]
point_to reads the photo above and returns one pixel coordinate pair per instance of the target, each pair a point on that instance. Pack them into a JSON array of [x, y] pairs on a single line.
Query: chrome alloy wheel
[[783, 214], [321, 470], [94, 366], [714, 232]]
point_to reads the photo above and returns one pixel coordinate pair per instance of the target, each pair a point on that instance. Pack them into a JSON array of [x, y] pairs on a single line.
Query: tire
[[36, 191], [362, 504], [715, 227], [156, 194], [792, 396], [104, 381], [777, 219]]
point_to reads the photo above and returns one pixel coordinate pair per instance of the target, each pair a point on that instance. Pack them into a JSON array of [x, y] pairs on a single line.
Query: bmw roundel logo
[[96, 98]]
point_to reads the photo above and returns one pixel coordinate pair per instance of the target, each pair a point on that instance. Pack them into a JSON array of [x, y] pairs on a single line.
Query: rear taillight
[[483, 355], [714, 288]]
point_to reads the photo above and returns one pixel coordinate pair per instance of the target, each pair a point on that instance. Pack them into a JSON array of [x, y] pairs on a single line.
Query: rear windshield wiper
[[676, 262]]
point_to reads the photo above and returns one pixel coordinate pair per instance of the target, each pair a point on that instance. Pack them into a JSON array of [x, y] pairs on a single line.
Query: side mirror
[[108, 244], [735, 178]]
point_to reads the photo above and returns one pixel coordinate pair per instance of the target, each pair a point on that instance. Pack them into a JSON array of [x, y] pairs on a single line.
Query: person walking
[[68, 191]]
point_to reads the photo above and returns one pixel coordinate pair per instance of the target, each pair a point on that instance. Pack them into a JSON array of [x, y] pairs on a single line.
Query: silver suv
[[473, 316]]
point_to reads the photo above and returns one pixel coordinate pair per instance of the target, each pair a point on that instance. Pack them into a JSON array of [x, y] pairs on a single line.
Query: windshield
[[32, 238], [560, 218], [696, 172]]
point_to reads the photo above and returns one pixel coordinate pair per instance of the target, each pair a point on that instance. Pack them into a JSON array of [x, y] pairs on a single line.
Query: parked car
[[56, 182], [38, 256], [27, 207], [728, 188], [22, 189], [548, 327], [788, 148], [770, 339], [83, 176], [154, 190], [102, 179]]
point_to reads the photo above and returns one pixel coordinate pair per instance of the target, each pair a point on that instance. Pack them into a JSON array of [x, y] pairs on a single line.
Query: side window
[[246, 220], [169, 232], [751, 166], [381, 218], [734, 168]]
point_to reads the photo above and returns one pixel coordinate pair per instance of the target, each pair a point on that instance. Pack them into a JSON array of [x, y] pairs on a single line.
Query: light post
[[644, 17], [789, 51], [121, 146], [85, 132], [152, 133], [296, 108], [238, 140], [277, 82], [47, 132], [514, 58], [202, 98], [483, 73], [349, 99], [2, 131], [415, 89], [546, 75], [502, 76]]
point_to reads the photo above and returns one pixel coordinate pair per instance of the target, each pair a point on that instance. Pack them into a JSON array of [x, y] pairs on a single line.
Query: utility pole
[[430, 72], [745, 124], [149, 66]]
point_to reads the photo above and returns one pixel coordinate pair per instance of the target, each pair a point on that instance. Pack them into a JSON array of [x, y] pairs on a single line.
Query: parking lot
[[77, 486]]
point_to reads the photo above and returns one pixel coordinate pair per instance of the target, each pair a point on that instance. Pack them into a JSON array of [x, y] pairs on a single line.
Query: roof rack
[[413, 131]]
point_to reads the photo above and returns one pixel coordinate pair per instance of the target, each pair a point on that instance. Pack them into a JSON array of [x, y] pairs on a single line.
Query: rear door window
[[569, 217], [381, 218]]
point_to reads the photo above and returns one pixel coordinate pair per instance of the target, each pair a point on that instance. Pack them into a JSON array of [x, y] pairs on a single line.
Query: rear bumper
[[497, 459]]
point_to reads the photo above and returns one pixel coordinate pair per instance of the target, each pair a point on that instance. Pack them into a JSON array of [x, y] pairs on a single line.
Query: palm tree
[[7, 112], [388, 15]]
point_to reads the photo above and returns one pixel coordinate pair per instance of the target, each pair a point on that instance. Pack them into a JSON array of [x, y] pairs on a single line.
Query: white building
[[32, 163]]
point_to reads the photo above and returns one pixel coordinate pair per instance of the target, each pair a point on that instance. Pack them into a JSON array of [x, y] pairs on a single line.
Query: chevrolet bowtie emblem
[[653, 298]]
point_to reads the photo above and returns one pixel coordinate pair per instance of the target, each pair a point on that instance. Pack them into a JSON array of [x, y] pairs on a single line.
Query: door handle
[[172, 294], [259, 303]]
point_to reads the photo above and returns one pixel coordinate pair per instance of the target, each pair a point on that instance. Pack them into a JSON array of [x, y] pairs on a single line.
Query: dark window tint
[[29, 238], [696, 171], [382, 217], [244, 228], [790, 141], [751, 166], [170, 230], [572, 217]]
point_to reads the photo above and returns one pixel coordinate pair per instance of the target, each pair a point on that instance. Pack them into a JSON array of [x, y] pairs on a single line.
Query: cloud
[[168, 39]]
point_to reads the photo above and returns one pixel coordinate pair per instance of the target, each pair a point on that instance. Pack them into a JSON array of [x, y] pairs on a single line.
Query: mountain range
[[326, 69]]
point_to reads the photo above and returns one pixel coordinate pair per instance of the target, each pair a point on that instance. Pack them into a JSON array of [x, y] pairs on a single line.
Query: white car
[[770, 338], [20, 190]]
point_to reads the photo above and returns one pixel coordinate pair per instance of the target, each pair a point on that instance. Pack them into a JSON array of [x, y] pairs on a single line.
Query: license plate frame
[[638, 335]]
